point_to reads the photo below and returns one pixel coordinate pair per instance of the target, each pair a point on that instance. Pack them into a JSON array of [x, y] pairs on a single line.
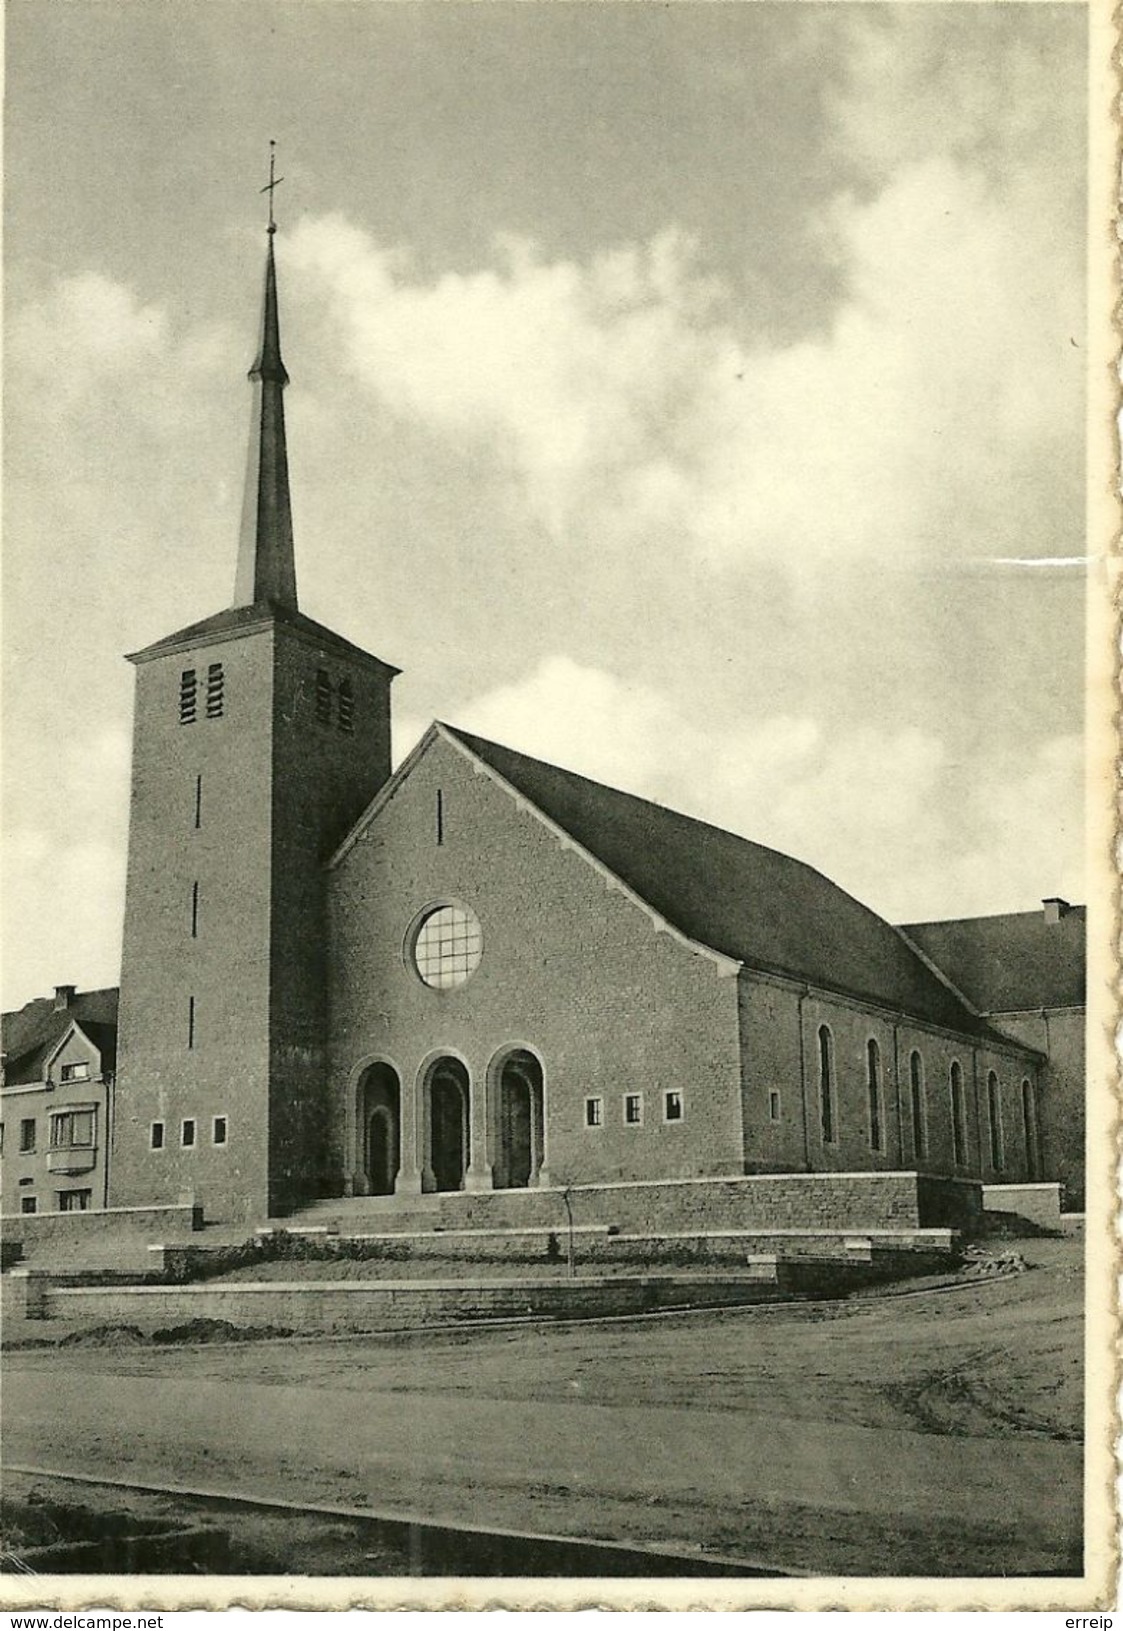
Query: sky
[[689, 394]]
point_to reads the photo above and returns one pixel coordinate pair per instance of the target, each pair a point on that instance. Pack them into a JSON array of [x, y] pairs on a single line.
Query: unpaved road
[[932, 1434]]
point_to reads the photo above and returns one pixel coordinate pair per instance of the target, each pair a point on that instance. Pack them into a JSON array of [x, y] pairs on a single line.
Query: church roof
[[30, 1033], [1012, 962], [756, 905], [237, 620]]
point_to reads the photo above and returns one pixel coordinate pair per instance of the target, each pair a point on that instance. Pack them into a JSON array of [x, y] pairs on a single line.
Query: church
[[483, 972]]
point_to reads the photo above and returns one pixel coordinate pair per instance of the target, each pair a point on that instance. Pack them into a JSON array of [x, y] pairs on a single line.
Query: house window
[[827, 1117], [216, 685], [440, 816], [323, 696], [73, 1130], [191, 1022], [194, 911], [198, 802], [594, 1112], [218, 1130], [27, 1136], [994, 1114], [672, 1106], [28, 1203], [188, 696], [187, 1133], [873, 1082], [958, 1122], [345, 700], [74, 1200], [1, 1138], [919, 1107], [156, 1136], [79, 1071], [773, 1105], [633, 1109]]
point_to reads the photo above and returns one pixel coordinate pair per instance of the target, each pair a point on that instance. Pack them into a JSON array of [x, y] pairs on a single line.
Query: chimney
[[64, 995], [1055, 908]]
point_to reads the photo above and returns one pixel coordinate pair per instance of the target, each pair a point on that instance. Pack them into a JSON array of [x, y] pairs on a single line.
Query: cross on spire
[[272, 184]]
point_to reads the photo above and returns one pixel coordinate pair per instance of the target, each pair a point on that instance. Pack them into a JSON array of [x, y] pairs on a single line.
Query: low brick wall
[[82, 1229], [949, 1203], [400, 1305], [1040, 1203], [817, 1200]]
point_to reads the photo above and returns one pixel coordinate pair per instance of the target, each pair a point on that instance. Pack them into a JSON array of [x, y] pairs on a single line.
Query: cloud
[[87, 340], [935, 411], [882, 811]]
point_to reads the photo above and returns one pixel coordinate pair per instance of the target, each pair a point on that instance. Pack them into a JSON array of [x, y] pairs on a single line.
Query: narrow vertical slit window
[[188, 696], [216, 685], [323, 696], [194, 911], [191, 1022], [994, 1113], [345, 705], [873, 1082], [827, 1117], [919, 1108], [773, 1105], [958, 1119], [440, 817], [1029, 1125], [198, 802]]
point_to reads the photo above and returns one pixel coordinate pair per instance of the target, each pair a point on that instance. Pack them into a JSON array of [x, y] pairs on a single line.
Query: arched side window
[[873, 1082], [994, 1111], [919, 1107], [827, 1117], [958, 1120], [1029, 1121]]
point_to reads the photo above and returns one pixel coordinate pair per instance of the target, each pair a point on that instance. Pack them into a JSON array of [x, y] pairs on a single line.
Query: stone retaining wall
[[401, 1305], [108, 1226], [1040, 1203], [840, 1201]]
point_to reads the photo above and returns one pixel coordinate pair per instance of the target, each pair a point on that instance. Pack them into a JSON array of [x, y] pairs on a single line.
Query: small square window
[[79, 1071], [156, 1136], [672, 1106], [218, 1130], [187, 1133], [774, 1106], [633, 1109], [27, 1136], [28, 1203], [594, 1112]]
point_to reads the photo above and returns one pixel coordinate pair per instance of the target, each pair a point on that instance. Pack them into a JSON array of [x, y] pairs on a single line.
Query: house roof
[[753, 904], [1012, 962], [29, 1034]]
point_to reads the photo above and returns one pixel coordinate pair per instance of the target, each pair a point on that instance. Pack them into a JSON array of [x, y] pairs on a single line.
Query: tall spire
[[266, 564]]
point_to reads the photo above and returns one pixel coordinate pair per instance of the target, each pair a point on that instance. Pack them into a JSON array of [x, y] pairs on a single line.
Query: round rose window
[[447, 947]]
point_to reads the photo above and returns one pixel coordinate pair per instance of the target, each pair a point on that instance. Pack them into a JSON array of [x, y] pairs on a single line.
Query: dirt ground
[[935, 1432]]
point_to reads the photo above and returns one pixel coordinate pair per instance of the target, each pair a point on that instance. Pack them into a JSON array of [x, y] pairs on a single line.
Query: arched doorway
[[520, 1120], [447, 1090], [379, 1111]]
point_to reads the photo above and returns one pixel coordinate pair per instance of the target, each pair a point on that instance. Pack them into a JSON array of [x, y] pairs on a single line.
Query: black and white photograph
[[557, 838]]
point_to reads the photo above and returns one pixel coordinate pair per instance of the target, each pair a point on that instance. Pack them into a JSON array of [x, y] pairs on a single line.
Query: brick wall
[[570, 968]]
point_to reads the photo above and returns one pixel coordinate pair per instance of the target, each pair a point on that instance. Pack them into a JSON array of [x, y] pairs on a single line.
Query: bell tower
[[259, 738]]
